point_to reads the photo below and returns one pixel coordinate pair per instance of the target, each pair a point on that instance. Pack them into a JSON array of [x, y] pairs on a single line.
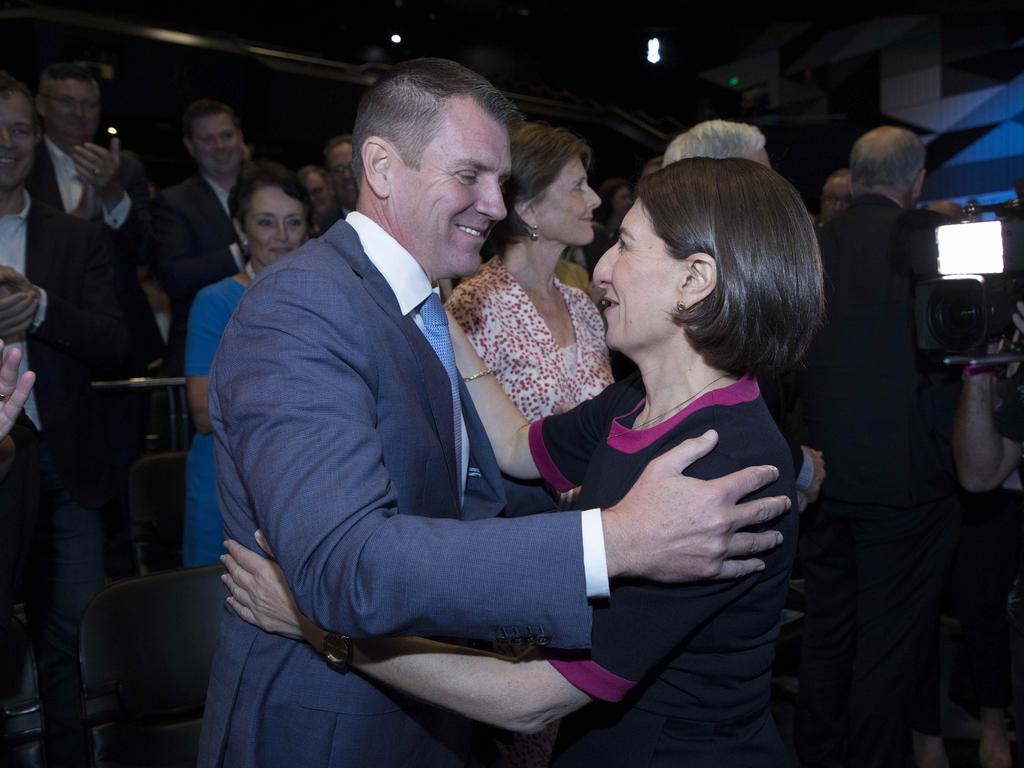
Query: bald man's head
[[890, 161]]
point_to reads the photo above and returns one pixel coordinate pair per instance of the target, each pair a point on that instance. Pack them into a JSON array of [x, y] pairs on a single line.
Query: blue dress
[[204, 533]]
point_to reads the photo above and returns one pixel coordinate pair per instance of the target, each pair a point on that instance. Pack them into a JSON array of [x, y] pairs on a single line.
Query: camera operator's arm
[[984, 458]]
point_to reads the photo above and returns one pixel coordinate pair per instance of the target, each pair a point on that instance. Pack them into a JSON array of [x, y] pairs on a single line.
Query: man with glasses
[[338, 159]]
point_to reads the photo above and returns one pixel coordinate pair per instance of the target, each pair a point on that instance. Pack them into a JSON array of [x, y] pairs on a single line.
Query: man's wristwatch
[[338, 650]]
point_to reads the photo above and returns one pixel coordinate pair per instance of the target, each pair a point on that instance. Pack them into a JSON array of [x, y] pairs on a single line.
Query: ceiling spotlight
[[734, 81], [396, 39], [654, 50], [112, 130]]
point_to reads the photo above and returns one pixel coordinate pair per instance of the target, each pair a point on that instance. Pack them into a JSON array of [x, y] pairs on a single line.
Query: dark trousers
[[874, 579], [979, 584], [66, 569]]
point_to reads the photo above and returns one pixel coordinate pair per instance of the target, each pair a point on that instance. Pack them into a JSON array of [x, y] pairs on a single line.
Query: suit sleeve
[[89, 329], [181, 268], [295, 400], [134, 238]]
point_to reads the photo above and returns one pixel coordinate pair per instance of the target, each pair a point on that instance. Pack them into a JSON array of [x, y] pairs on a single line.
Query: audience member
[[719, 138], [58, 306], [326, 210], [835, 195], [876, 556], [195, 240], [72, 173], [271, 212], [616, 199], [338, 158], [345, 438]]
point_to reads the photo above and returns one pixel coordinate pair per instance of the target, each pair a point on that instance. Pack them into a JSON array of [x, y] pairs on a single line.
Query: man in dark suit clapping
[[57, 305]]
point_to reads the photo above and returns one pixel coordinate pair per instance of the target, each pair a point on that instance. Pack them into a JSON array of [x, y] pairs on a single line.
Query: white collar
[[58, 155], [400, 269], [23, 213]]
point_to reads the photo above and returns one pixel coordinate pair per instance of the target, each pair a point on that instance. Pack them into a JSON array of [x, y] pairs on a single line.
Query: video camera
[[981, 268]]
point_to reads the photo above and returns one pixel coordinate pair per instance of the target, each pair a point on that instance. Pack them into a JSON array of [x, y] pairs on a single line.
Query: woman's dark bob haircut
[[539, 153], [767, 303], [266, 173]]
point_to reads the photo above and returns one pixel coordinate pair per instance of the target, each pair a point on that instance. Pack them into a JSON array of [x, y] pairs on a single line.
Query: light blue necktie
[[435, 328]]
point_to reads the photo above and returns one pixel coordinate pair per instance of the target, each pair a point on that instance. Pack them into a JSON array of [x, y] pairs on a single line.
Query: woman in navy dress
[[715, 280]]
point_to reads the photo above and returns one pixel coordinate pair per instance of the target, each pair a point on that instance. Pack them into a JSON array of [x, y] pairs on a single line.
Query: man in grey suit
[[343, 435]]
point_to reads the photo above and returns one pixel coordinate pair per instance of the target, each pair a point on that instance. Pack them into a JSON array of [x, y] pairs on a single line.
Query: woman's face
[[564, 212], [642, 283], [274, 226]]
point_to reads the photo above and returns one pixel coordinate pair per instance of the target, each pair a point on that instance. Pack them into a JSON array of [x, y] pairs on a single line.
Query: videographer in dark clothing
[[987, 445]]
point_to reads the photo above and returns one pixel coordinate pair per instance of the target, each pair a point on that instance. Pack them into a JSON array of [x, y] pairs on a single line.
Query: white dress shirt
[[410, 284]]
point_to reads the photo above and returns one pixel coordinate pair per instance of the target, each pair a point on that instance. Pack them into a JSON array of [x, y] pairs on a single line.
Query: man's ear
[[380, 160], [915, 192], [700, 277], [189, 146]]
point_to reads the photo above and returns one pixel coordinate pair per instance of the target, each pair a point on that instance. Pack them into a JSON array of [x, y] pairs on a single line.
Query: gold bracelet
[[477, 375]]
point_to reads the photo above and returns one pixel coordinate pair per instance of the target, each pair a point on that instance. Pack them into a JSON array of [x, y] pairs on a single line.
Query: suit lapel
[[488, 498], [211, 210], [433, 378]]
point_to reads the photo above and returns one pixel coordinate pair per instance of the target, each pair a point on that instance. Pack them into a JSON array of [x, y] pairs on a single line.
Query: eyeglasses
[[70, 103]]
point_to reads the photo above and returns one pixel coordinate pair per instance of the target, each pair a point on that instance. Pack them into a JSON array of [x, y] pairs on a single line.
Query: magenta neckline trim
[[593, 679], [628, 440]]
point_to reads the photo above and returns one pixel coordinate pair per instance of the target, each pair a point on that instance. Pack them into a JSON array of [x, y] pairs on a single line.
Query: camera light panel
[[972, 248]]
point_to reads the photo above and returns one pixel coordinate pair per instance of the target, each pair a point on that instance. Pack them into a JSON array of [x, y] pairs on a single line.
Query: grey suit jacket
[[332, 418]]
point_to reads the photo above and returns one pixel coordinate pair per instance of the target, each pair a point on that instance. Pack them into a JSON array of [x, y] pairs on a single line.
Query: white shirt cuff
[[116, 217], [595, 561], [40, 312], [236, 251], [806, 474]]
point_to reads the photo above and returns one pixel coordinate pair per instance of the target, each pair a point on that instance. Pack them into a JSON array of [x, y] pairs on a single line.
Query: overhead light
[[396, 39], [112, 130], [654, 50]]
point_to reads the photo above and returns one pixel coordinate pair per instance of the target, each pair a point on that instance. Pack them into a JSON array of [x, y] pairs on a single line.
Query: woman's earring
[[680, 307], [244, 243], [533, 232]]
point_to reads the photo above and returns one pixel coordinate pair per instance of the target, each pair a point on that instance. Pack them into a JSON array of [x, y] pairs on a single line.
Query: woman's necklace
[[677, 406]]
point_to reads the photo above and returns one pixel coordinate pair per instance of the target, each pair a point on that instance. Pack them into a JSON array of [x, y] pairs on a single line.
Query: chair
[[156, 501], [145, 649], [21, 715]]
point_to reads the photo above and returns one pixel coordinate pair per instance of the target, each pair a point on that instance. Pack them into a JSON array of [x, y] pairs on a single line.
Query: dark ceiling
[[574, 46]]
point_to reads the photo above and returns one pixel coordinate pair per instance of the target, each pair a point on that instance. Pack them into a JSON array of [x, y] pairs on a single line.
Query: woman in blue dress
[[271, 213], [714, 281]]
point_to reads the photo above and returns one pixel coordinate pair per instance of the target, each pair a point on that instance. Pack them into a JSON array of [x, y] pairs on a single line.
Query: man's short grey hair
[[406, 106], [715, 138], [886, 157]]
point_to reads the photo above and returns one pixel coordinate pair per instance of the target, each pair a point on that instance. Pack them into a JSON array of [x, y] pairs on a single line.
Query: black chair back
[[156, 500], [145, 649]]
